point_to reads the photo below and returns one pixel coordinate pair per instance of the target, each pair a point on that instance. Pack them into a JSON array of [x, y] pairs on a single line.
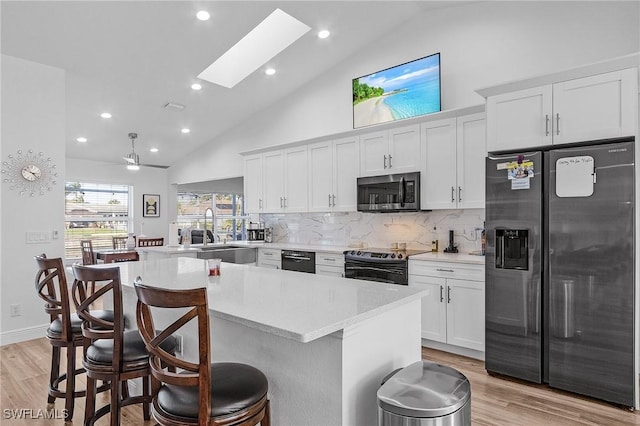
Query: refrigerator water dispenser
[[512, 249]]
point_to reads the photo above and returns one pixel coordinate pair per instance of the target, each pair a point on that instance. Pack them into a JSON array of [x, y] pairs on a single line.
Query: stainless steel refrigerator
[[560, 268]]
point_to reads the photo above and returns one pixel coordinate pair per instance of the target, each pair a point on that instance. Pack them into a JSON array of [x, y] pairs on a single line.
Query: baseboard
[[471, 353], [23, 334]]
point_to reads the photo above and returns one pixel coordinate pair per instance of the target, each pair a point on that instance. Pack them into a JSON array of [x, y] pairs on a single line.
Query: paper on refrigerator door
[[575, 176]]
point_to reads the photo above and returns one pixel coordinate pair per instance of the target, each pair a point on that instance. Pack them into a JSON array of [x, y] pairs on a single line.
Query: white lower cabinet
[[330, 264], [453, 309], [269, 258]]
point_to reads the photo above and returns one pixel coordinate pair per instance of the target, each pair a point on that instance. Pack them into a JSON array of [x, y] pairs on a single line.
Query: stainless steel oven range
[[381, 265]]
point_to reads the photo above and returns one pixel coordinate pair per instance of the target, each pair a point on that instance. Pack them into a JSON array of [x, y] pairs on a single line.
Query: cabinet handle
[[390, 161], [328, 259], [329, 200], [448, 294], [546, 124], [334, 199], [557, 123], [441, 295], [385, 161], [459, 194], [259, 203], [445, 270], [453, 198], [284, 201]]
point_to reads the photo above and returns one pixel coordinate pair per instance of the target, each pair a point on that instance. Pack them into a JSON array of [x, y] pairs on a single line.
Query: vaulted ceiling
[[131, 58]]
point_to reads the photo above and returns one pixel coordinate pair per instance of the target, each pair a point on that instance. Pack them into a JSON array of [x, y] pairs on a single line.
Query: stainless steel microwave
[[389, 193]]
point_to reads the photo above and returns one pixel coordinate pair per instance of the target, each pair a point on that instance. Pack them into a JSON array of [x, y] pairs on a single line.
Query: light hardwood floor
[[24, 370]]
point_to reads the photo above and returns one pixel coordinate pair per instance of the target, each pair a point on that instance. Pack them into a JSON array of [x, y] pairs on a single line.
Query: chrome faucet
[[205, 237]]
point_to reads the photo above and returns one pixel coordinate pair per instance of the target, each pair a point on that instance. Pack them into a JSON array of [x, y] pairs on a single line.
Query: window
[[95, 212], [229, 220]]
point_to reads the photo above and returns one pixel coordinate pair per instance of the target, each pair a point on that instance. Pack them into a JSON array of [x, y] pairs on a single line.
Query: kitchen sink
[[228, 254]]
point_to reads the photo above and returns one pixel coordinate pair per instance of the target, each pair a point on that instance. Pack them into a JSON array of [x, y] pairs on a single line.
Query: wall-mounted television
[[403, 91]]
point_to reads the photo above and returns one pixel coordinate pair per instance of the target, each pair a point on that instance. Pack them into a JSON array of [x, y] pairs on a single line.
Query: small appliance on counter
[[452, 248], [268, 235], [256, 232]]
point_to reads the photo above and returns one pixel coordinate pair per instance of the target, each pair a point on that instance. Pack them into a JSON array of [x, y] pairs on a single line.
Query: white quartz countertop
[[295, 305], [449, 257], [250, 244]]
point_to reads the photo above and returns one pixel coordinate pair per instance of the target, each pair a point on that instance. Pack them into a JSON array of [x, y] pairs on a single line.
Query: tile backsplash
[[380, 229]]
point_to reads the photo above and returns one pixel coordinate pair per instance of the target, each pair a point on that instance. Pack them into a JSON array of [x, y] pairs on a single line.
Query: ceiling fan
[[133, 159]]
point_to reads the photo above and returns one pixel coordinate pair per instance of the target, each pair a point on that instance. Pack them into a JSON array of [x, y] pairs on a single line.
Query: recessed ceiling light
[[266, 40], [154, 150], [324, 34], [196, 86], [270, 71], [203, 15], [105, 115], [81, 139], [185, 130]]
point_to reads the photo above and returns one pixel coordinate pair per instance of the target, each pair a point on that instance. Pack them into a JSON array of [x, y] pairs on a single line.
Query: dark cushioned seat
[[133, 349], [234, 387], [56, 325]]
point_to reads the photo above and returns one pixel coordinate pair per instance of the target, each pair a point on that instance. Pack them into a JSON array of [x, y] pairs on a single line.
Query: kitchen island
[[324, 343]]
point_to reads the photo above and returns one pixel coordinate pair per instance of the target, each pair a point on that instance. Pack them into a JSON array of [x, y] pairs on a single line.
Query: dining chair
[[88, 256], [202, 393], [119, 242], [64, 331], [127, 256], [150, 242], [111, 353]]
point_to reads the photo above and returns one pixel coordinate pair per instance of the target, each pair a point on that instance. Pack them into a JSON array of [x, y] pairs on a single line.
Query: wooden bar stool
[[110, 353], [202, 393], [128, 256], [150, 242], [119, 242], [63, 332]]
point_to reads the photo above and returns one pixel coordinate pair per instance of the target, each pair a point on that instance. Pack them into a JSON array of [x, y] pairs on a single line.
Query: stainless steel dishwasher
[[301, 261]]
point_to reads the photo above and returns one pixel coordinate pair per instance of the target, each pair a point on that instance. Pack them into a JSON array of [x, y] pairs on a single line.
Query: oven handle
[[371, 268], [379, 280], [296, 258], [402, 191]]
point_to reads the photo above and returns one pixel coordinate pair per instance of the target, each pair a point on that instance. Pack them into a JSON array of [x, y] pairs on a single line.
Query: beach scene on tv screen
[[404, 91]]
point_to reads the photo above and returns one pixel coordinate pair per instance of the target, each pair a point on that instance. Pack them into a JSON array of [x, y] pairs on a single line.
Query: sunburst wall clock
[[29, 173]]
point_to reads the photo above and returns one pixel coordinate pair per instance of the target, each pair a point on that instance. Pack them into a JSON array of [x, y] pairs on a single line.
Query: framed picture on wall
[[150, 205]]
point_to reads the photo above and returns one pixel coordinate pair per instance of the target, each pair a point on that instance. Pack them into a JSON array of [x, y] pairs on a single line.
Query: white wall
[[481, 44], [33, 117], [147, 180]]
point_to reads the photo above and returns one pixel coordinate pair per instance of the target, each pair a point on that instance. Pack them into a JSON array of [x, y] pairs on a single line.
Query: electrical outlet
[[16, 310], [179, 343]]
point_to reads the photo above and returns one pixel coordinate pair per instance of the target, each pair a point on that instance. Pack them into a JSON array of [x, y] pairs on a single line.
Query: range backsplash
[[355, 229]]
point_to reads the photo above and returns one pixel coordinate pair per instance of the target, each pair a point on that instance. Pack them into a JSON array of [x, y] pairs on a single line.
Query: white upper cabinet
[[438, 182], [589, 108], [597, 107], [471, 150], [519, 119], [333, 170], [346, 158], [320, 176], [276, 181], [454, 153], [273, 181], [253, 198], [390, 151], [295, 197]]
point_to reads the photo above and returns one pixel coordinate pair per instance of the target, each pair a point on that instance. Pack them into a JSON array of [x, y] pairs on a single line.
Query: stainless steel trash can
[[425, 393]]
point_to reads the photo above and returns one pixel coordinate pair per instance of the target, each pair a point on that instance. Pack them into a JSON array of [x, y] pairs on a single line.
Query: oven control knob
[[385, 255], [393, 255], [359, 253], [399, 255], [353, 252]]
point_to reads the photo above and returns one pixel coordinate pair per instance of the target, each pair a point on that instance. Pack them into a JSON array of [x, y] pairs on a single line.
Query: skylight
[[270, 37]]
